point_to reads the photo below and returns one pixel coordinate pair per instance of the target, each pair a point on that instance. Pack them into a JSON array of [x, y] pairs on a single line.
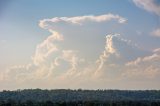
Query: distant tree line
[[67, 97], [80, 103]]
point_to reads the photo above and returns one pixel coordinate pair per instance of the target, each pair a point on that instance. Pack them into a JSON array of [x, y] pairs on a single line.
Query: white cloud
[[79, 20], [156, 32], [148, 5], [70, 56], [137, 73], [151, 58], [47, 47], [134, 62], [157, 50], [144, 67], [114, 56], [55, 67], [109, 49], [106, 70]]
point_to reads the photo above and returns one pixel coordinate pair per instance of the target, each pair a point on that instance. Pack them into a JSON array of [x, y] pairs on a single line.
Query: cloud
[[79, 20], [42, 64], [108, 68], [47, 47], [148, 5], [148, 66], [156, 50], [153, 57], [115, 55], [148, 73], [63, 67], [70, 56], [109, 49], [156, 32]]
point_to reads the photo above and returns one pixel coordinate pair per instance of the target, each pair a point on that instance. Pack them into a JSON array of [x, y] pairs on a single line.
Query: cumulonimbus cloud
[[63, 66], [94, 73]]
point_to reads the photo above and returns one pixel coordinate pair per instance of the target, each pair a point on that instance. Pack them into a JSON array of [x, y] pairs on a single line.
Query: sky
[[88, 44]]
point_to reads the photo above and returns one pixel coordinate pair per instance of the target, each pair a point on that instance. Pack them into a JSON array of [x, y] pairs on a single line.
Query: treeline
[[80, 103], [67, 97]]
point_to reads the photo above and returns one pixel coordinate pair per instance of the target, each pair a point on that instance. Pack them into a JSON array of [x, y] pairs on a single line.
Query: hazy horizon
[[57, 44]]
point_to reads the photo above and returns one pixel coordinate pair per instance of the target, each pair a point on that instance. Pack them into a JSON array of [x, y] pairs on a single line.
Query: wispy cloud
[[147, 66], [156, 32], [148, 5]]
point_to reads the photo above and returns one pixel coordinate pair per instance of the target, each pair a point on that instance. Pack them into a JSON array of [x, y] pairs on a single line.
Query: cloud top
[[79, 20]]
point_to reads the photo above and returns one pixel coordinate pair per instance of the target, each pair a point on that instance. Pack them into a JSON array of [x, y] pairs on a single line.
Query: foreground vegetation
[[62, 97]]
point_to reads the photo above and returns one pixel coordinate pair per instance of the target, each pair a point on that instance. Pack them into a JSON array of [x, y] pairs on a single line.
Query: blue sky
[[100, 53]]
